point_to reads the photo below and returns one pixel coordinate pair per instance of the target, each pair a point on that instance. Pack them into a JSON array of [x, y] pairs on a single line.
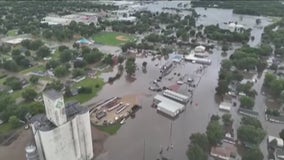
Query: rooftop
[[52, 94], [41, 122]]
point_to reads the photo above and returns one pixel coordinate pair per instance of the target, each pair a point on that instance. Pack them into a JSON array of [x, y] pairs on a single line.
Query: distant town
[[149, 80]]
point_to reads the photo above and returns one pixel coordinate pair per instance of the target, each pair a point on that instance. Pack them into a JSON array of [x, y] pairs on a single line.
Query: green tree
[[200, 140], [34, 79], [78, 72], [253, 154], [214, 132], [120, 59], [14, 83], [250, 134], [29, 94], [52, 64], [251, 121], [34, 45], [227, 120], [195, 152], [130, 66], [65, 55], [246, 102], [108, 60], [61, 71], [14, 121], [43, 51]]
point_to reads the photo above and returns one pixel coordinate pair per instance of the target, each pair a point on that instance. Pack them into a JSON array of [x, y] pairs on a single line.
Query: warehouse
[[168, 106], [176, 96]]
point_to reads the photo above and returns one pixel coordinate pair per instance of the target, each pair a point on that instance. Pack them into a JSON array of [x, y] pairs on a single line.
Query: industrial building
[[167, 105], [194, 59], [176, 96], [64, 132]]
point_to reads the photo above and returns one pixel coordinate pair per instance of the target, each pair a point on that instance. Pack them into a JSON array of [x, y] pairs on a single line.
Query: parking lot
[[114, 110]]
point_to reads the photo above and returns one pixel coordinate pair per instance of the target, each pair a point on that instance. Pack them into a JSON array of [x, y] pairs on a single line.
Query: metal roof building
[[168, 106]]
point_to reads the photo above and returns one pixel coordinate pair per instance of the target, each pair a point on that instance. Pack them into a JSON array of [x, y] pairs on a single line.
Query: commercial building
[[195, 59], [64, 132], [176, 96], [168, 106]]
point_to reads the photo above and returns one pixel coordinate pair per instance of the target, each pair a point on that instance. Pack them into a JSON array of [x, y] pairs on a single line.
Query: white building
[[64, 132], [168, 106]]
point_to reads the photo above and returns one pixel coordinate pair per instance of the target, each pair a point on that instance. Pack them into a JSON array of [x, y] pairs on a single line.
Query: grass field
[[95, 84], [110, 129], [33, 69], [112, 38], [5, 128], [12, 32]]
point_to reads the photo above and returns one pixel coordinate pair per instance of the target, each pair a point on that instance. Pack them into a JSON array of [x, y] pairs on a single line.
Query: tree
[[246, 102], [29, 94], [14, 121], [57, 85], [14, 83], [108, 60], [78, 72], [227, 120], [250, 134], [200, 140], [34, 45], [253, 154], [120, 59], [34, 79], [251, 121], [43, 51], [258, 21], [79, 63], [195, 152], [65, 55], [130, 66], [10, 65], [62, 48], [225, 47], [214, 133], [61, 71], [52, 64], [281, 134]]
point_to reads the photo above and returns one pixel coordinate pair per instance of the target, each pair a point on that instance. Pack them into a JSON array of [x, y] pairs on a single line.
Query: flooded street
[[144, 136]]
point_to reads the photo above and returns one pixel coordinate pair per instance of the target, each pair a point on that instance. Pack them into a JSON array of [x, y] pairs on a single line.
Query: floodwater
[[144, 136]]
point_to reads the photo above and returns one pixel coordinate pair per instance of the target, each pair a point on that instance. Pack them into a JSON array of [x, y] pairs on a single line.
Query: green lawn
[[33, 69], [95, 84], [5, 128], [12, 32], [110, 129], [110, 38]]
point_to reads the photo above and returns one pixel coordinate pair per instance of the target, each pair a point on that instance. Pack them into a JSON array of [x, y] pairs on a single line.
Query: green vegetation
[[130, 66], [95, 84], [260, 7], [246, 102], [5, 128], [200, 144], [251, 131], [12, 32], [215, 33], [253, 154], [274, 85], [244, 59], [33, 69], [112, 38], [110, 129]]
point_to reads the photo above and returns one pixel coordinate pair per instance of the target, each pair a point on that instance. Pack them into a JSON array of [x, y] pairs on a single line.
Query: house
[[78, 79], [275, 142], [225, 106]]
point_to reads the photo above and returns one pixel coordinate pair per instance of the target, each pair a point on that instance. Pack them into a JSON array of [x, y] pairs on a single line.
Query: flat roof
[[225, 106], [168, 103], [52, 94], [175, 94]]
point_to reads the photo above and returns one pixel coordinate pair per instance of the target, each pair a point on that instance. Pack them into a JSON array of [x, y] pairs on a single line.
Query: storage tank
[[31, 153]]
